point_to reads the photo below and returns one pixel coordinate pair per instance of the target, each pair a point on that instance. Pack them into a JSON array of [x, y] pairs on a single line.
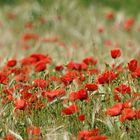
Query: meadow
[[69, 70]]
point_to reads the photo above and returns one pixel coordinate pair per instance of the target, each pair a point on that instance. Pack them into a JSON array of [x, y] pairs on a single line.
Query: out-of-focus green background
[[129, 6], [75, 23]]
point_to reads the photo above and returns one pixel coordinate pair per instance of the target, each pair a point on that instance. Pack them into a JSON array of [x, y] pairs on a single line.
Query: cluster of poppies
[[36, 83]]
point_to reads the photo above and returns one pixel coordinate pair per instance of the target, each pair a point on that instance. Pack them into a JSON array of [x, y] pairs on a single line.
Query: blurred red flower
[[90, 135], [137, 114], [98, 138], [40, 83], [11, 63], [115, 110], [20, 104], [90, 60], [9, 137], [55, 93], [36, 131], [132, 65], [81, 117], [115, 53], [70, 110], [136, 73], [110, 16], [91, 87], [123, 89], [107, 77], [40, 66], [59, 68], [128, 24], [127, 114], [79, 95], [29, 36]]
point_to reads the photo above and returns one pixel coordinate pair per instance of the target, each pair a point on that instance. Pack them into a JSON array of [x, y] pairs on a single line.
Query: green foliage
[[129, 6], [86, 2], [7, 1], [44, 2]]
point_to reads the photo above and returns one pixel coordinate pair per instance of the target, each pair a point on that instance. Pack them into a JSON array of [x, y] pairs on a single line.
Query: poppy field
[[68, 72]]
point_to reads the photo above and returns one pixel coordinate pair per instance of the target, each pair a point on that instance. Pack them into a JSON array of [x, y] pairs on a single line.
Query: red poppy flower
[[20, 104], [55, 93], [110, 16], [137, 114], [28, 61], [40, 57], [98, 138], [119, 69], [3, 79], [11, 63], [127, 104], [92, 71], [132, 65], [115, 53], [90, 60], [59, 68], [33, 130], [29, 130], [81, 78], [84, 66], [81, 118], [115, 110], [36, 131], [21, 78], [40, 83], [26, 96], [29, 36], [117, 98], [86, 134], [10, 97], [123, 89], [73, 96], [70, 110], [107, 77], [136, 96], [69, 77], [25, 70], [128, 24], [9, 137], [74, 66], [136, 73], [80, 95], [40, 66], [91, 87], [128, 114], [122, 119], [56, 79]]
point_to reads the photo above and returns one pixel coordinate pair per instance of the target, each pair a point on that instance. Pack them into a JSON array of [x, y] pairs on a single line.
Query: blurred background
[[129, 6], [89, 27]]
